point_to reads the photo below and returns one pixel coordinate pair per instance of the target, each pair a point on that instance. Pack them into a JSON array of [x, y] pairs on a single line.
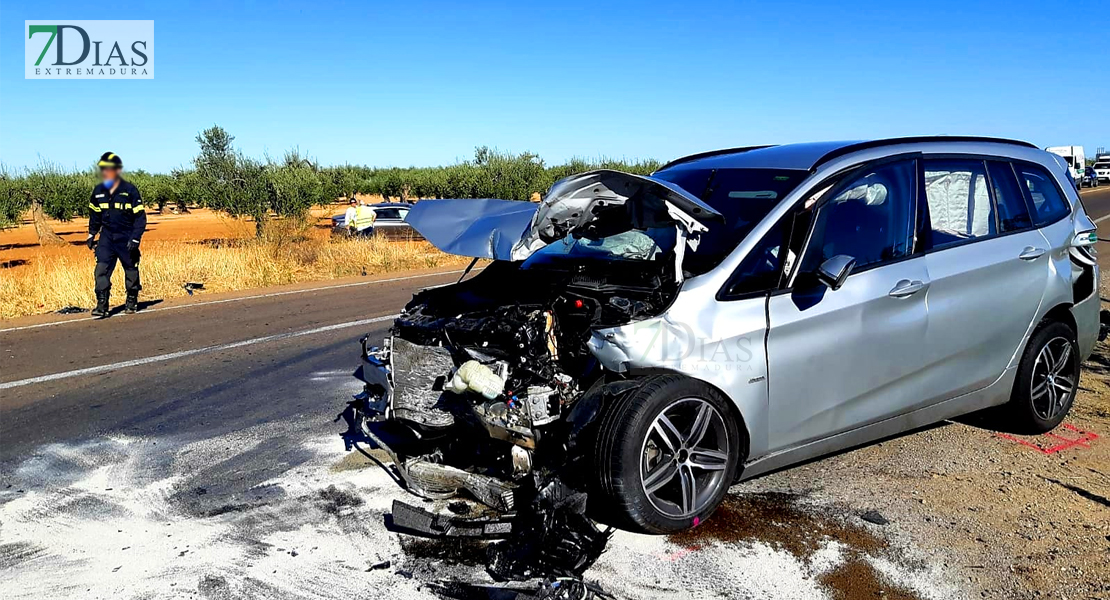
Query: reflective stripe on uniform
[[364, 217], [103, 205], [139, 208], [94, 207]]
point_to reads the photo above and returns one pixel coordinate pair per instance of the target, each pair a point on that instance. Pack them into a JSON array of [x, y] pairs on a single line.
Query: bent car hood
[[514, 230]]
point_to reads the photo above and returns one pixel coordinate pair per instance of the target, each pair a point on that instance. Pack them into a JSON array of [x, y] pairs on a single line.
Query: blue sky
[[413, 83]]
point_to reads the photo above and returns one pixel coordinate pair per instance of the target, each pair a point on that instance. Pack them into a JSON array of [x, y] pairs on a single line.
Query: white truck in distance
[[1075, 158]]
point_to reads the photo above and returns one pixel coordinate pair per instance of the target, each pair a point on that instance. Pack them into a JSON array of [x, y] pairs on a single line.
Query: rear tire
[[1047, 380], [665, 455]]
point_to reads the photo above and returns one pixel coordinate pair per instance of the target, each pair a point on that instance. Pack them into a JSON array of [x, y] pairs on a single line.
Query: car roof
[[807, 156], [391, 205]]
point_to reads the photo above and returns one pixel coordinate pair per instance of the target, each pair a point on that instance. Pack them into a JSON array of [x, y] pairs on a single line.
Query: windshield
[[651, 244], [1105, 165], [743, 196]]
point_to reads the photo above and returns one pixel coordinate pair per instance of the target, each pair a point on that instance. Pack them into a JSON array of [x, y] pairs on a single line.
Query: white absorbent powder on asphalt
[[239, 516]]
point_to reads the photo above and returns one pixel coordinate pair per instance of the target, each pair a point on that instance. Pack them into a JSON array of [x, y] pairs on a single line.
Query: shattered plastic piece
[[418, 520], [434, 480], [552, 537], [385, 564], [522, 461], [563, 588], [873, 516]]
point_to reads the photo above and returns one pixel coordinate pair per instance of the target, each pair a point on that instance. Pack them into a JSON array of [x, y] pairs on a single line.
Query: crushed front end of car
[[486, 389]]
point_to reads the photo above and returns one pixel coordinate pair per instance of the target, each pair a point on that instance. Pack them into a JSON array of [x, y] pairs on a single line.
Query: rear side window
[[958, 197], [1013, 214], [1045, 197]]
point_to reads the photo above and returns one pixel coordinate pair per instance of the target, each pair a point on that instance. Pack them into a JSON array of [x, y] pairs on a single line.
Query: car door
[[839, 359], [988, 268]]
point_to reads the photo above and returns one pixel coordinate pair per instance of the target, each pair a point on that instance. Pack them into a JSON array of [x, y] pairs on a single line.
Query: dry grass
[[289, 253]]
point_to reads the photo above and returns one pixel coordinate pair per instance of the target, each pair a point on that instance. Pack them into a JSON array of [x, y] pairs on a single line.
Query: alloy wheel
[[684, 458], [1055, 375]]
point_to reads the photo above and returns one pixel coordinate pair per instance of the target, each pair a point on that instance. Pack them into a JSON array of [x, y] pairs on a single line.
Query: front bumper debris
[[439, 450]]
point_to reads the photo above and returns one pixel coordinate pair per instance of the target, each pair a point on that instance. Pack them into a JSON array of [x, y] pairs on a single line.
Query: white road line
[[255, 297], [184, 353], [1101, 219]]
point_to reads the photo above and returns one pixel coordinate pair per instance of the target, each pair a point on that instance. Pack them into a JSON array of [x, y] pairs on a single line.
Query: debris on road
[[385, 564], [71, 310], [874, 517]]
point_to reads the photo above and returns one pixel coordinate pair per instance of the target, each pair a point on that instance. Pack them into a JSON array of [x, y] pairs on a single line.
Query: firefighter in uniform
[[115, 212]]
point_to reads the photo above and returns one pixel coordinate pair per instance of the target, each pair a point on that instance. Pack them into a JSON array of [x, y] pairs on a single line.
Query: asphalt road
[[215, 390], [212, 417]]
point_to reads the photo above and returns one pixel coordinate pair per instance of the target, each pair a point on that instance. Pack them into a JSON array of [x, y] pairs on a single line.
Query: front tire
[[666, 455], [1047, 380]]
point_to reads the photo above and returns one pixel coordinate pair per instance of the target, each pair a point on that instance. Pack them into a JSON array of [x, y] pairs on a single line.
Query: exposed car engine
[[476, 390]]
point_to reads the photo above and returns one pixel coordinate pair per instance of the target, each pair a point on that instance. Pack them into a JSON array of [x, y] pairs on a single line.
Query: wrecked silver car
[[638, 344]]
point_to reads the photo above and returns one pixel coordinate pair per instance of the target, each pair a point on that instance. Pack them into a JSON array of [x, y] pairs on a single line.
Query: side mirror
[[834, 271]]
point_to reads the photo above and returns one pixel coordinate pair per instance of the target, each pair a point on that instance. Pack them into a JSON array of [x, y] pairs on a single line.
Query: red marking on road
[[677, 554], [1084, 440]]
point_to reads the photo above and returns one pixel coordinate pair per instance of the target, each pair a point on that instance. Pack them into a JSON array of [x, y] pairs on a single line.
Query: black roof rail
[[843, 150], [691, 157]]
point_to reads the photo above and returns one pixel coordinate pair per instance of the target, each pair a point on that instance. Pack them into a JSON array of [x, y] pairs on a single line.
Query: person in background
[[116, 212], [363, 222], [349, 216]]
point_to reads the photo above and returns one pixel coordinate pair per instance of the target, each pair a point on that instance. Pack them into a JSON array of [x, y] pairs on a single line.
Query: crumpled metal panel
[[482, 228], [575, 201], [434, 480], [511, 230], [415, 369]]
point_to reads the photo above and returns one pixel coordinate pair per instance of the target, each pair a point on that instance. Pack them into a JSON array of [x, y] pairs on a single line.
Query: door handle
[[907, 287], [1031, 253]]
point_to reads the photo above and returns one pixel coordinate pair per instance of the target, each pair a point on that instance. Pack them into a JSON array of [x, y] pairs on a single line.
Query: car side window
[[958, 199], [869, 219], [388, 213], [773, 259], [1044, 196], [1013, 213], [759, 272]]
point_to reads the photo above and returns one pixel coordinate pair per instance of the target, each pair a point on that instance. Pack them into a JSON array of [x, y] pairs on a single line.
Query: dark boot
[[132, 304], [101, 309]]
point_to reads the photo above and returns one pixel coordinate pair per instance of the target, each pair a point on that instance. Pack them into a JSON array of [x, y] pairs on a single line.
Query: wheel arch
[[1060, 313]]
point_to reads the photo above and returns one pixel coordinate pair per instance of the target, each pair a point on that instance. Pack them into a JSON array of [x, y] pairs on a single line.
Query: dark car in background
[[1089, 178], [390, 222]]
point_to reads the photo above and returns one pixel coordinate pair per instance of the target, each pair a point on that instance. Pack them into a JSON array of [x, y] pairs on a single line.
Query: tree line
[[221, 177]]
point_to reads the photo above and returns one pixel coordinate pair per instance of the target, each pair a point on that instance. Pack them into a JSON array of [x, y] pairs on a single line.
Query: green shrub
[[222, 178]]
